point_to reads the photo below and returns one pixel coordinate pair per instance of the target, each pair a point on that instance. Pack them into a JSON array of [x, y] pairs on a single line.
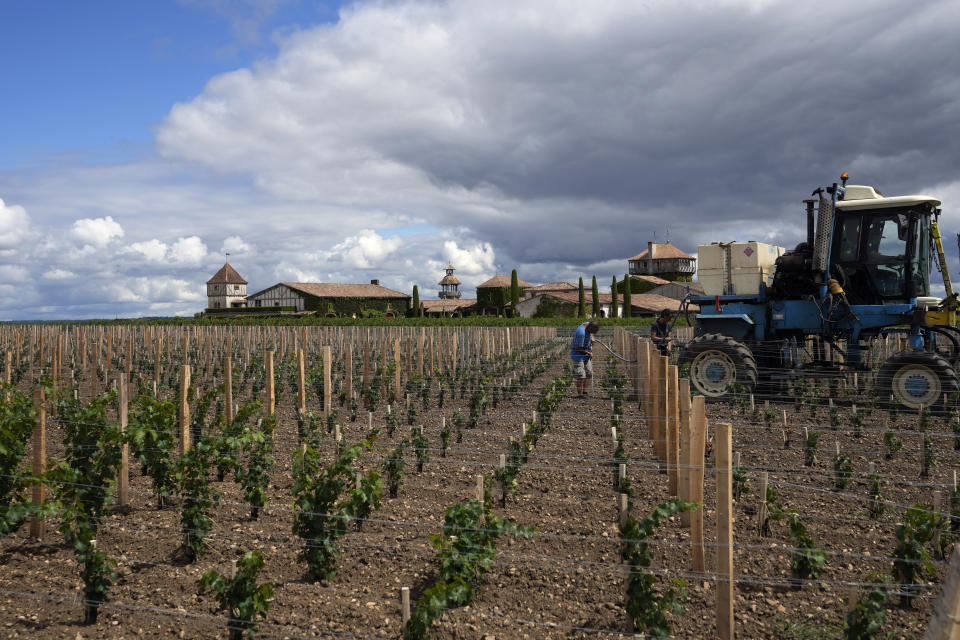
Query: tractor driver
[[660, 332], [581, 354]]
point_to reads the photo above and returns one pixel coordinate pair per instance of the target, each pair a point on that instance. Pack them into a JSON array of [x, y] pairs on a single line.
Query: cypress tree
[[596, 298], [627, 304], [514, 292], [416, 301], [614, 311], [582, 307]]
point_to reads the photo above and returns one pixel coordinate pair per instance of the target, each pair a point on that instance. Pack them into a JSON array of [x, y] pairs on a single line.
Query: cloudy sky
[[318, 141]]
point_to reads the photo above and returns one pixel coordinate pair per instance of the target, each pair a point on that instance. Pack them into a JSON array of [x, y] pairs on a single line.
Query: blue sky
[[92, 78], [324, 142]]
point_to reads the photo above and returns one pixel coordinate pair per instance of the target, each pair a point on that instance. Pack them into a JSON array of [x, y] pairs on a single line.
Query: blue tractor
[[863, 274]]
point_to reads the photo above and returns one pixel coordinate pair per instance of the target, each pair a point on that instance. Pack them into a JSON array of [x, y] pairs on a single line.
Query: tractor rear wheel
[[915, 379], [717, 364]]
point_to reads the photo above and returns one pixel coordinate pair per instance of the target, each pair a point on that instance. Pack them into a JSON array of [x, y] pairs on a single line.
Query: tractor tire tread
[[949, 381]]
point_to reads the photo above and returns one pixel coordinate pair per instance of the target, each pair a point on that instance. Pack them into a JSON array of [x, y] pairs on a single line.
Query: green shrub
[[647, 606], [197, 497], [240, 595]]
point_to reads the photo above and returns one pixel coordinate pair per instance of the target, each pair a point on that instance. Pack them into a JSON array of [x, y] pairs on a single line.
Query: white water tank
[[736, 267]]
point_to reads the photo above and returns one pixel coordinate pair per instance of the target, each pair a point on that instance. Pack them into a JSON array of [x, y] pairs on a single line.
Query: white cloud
[[552, 137], [190, 251], [59, 274], [166, 290], [234, 245], [14, 225], [13, 273], [366, 250], [478, 259], [96, 232], [153, 250]]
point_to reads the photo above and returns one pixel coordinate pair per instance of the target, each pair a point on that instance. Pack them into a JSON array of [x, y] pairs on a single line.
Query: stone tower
[[226, 289], [450, 286]]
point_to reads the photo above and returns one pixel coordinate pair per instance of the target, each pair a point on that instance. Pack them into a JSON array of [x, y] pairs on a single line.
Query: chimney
[[375, 281], [650, 248]]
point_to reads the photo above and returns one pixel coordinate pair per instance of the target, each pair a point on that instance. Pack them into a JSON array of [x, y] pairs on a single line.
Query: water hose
[[613, 353]]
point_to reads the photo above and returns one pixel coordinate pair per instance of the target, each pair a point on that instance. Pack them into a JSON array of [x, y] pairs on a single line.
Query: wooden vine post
[[156, 363], [228, 387], [269, 386], [405, 604], [366, 364], [663, 370], [184, 409], [725, 621], [453, 355], [945, 621], [348, 372], [762, 509], [672, 431], [123, 476], [651, 406], [327, 384], [396, 368], [7, 377], [638, 370], [698, 443], [409, 344], [39, 457], [302, 383], [684, 466]]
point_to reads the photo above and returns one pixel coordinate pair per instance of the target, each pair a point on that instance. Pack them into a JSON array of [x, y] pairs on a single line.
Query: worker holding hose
[[581, 353]]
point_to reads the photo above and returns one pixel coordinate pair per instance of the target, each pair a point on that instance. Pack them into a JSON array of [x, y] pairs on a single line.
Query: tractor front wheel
[[917, 378], [718, 364]]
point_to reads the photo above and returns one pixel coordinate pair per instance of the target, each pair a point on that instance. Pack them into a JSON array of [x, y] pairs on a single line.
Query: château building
[[226, 289], [449, 285]]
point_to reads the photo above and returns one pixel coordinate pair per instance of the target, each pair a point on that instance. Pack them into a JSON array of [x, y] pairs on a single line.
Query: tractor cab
[[881, 246]]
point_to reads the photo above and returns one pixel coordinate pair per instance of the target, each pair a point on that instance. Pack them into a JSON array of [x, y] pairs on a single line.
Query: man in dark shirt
[[660, 332]]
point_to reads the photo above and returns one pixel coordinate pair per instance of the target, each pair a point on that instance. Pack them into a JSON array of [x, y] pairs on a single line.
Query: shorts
[[583, 370]]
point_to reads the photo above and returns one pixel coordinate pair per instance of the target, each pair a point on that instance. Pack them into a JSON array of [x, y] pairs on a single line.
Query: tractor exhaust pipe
[[809, 202], [821, 246]]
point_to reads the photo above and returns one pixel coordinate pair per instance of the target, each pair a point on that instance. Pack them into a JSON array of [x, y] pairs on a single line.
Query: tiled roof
[[554, 286], [449, 280], [502, 281], [440, 306], [652, 279], [226, 275], [332, 290], [662, 251], [574, 297]]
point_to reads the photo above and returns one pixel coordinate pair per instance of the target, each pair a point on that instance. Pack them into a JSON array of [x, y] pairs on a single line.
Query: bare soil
[[564, 582]]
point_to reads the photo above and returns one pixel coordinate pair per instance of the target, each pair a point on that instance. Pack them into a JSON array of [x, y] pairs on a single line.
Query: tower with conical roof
[[450, 286], [226, 289]]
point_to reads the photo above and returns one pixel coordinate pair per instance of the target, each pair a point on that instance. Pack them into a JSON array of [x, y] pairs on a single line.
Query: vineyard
[[445, 482]]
